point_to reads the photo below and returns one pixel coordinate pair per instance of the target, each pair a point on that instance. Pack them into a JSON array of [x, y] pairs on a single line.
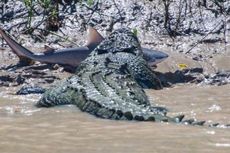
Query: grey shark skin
[[73, 56], [153, 56], [107, 84]]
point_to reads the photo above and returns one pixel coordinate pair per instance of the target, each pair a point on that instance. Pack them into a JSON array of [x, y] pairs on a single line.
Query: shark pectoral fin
[[94, 38]]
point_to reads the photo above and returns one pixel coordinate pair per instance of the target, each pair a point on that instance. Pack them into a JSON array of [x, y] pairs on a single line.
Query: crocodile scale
[[109, 83]]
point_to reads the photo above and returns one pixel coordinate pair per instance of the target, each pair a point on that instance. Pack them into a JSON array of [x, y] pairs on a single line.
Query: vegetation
[[50, 11], [29, 5], [135, 32], [171, 17], [175, 15]]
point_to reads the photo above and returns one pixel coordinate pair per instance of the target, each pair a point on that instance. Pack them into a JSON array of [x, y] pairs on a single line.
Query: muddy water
[[25, 128]]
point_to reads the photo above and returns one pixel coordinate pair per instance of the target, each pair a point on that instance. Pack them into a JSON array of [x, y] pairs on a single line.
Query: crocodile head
[[121, 40]]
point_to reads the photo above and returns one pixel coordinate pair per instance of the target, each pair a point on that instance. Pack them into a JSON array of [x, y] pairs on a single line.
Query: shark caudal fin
[[94, 38], [23, 53]]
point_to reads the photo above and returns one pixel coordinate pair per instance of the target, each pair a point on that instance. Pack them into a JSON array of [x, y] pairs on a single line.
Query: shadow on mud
[[180, 76], [14, 75], [194, 75], [43, 74]]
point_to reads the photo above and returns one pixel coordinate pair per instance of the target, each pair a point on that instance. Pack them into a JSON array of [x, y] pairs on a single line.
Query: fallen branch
[[202, 38]]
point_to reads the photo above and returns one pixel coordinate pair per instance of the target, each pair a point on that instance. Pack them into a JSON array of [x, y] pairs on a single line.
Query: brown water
[[25, 128]]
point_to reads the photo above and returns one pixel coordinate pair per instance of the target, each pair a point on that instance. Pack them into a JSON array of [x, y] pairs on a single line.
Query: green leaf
[[90, 2], [135, 32]]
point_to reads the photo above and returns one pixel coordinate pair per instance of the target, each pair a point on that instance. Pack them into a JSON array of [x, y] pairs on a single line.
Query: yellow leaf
[[182, 66]]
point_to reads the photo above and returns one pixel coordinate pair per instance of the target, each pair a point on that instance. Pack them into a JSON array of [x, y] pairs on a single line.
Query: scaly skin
[[106, 91], [108, 84]]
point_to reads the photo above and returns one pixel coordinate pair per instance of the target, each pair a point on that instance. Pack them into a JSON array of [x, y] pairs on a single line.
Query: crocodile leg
[[58, 95]]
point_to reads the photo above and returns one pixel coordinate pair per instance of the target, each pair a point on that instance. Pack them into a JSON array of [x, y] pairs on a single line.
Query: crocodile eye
[[104, 47]]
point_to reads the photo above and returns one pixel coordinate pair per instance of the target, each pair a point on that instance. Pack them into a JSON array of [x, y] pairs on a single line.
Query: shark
[[72, 56]]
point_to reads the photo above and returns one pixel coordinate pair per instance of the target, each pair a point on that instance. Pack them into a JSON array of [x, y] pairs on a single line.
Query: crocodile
[[109, 84], [72, 57]]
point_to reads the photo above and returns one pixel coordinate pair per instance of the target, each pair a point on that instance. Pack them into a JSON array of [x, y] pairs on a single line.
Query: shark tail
[[24, 55]]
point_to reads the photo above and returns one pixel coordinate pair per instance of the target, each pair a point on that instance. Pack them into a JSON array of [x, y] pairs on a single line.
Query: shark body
[[73, 56]]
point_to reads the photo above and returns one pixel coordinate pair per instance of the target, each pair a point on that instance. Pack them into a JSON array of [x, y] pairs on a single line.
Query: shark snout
[[153, 57]]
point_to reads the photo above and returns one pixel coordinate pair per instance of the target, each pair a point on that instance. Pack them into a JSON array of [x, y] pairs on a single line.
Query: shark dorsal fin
[[94, 37]]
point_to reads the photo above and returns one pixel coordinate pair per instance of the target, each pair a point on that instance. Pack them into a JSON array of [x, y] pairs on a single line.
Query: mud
[[195, 76]]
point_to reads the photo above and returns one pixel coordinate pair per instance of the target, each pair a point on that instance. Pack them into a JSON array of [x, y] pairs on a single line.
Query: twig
[[93, 9], [119, 11], [202, 38], [15, 25], [32, 28], [64, 38]]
